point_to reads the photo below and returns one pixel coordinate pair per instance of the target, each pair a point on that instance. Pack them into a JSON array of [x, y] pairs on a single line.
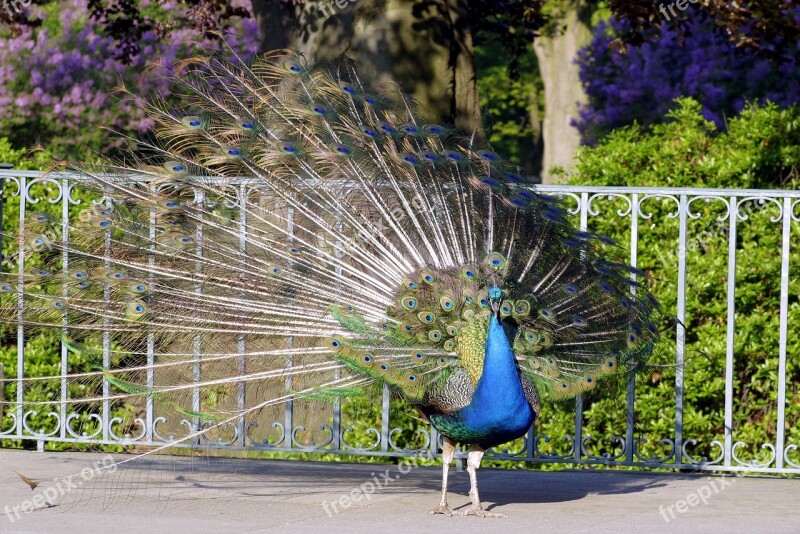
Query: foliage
[[641, 84], [760, 149], [510, 104], [55, 78]]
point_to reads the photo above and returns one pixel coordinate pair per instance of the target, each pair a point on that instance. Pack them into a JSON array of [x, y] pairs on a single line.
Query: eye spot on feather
[[367, 358], [496, 260], [386, 127], [434, 129], [42, 272], [319, 110], [384, 367], [410, 159], [452, 155], [426, 317], [490, 182], [410, 128], [605, 286], [408, 303], [488, 155], [288, 148], [522, 307], [174, 166], [551, 215], [5, 288], [192, 121], [514, 177], [342, 149], [571, 288]]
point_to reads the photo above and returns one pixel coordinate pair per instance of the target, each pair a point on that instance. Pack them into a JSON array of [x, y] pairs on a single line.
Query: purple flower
[[54, 84], [642, 85]]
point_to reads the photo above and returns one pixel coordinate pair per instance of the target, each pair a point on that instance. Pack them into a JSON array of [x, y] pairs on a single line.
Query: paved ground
[[245, 496]]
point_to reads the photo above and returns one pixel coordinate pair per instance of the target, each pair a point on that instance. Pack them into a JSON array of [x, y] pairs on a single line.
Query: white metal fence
[[697, 222]]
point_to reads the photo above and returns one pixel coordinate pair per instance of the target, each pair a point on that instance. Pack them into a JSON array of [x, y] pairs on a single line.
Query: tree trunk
[[562, 85], [424, 46]]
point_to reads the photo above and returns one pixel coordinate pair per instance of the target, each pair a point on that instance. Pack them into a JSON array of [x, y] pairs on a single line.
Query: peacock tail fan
[[290, 235]]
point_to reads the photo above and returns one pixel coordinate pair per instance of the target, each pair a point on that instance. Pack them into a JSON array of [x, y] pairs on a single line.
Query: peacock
[[289, 233]]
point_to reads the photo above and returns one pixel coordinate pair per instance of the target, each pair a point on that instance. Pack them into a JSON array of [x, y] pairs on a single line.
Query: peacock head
[[496, 298]]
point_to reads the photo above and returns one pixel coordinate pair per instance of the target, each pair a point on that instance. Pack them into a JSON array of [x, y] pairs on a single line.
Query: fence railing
[[697, 222]]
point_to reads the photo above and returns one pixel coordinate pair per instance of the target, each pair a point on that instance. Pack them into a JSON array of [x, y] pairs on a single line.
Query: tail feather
[[296, 235]]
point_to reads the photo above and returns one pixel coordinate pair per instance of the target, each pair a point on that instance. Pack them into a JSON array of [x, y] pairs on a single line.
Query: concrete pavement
[[253, 496]]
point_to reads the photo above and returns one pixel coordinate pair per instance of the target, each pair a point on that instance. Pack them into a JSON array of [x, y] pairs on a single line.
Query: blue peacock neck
[[500, 378]]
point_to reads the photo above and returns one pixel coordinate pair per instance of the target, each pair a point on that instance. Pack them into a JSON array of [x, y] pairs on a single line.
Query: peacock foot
[[480, 512], [443, 509]]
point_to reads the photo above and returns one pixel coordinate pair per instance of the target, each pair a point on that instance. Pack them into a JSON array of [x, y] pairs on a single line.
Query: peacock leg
[[448, 451], [473, 463]]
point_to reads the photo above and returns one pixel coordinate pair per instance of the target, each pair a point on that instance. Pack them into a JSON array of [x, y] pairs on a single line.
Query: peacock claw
[[480, 512], [443, 509]]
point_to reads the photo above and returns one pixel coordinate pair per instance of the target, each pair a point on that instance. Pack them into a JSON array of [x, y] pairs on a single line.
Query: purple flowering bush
[[640, 86], [55, 79]]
